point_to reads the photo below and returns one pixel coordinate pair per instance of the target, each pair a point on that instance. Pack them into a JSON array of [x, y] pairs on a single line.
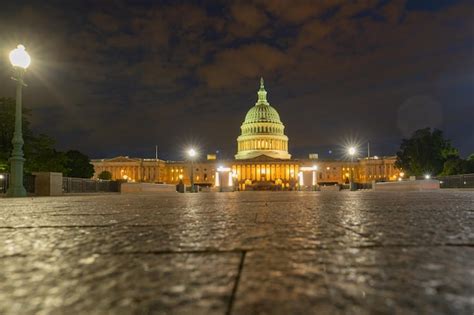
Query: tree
[[78, 165], [105, 175], [7, 127], [41, 156], [425, 153], [458, 166], [455, 167]]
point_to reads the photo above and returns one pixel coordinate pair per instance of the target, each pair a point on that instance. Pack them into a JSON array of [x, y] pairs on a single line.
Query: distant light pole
[[192, 154], [20, 60], [352, 152]]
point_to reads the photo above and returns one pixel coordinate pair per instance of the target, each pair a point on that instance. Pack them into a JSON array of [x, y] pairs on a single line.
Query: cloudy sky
[[119, 77]]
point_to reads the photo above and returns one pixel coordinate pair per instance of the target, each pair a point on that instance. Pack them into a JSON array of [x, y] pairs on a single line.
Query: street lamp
[[352, 152], [20, 60], [192, 154]]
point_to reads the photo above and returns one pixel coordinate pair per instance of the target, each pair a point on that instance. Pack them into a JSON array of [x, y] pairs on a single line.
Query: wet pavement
[[239, 253]]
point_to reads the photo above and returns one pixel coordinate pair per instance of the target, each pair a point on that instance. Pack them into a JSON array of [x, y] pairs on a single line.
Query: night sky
[[119, 77]]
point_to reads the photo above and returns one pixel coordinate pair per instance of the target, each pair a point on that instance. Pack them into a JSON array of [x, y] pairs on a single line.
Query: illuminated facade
[[262, 162], [135, 169]]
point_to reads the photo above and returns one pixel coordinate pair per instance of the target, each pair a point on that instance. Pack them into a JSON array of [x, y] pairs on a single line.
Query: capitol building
[[262, 162]]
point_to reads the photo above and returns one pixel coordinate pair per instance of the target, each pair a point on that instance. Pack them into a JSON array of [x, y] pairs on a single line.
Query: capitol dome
[[262, 131], [262, 113]]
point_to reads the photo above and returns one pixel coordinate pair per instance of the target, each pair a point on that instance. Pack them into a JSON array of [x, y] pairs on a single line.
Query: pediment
[[263, 157], [122, 159]]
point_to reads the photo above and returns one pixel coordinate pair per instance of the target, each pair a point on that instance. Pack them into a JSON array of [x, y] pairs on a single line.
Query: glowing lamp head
[[19, 57], [192, 153], [427, 176], [352, 151]]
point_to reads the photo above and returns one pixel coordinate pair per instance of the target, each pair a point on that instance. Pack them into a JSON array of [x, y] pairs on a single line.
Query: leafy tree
[[7, 127], [105, 175], [425, 152], [42, 157], [458, 166], [470, 164], [455, 167], [40, 154], [78, 165]]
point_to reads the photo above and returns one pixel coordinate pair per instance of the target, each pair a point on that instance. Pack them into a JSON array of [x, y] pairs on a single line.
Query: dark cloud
[[299, 11], [104, 22], [231, 66], [118, 77], [248, 19]]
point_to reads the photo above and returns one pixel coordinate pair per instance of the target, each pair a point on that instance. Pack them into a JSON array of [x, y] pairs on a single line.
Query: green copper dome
[[262, 132], [262, 111]]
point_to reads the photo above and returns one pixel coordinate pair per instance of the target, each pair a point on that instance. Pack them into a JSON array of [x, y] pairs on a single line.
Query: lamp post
[[352, 152], [192, 153], [20, 60]]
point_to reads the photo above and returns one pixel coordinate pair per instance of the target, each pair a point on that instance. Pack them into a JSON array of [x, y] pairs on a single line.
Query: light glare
[[19, 57]]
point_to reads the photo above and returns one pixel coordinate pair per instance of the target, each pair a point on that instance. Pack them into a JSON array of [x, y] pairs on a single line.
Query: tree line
[[39, 149], [427, 152]]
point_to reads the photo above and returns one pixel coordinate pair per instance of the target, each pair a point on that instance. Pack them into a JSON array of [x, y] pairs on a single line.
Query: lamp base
[[16, 192], [16, 188]]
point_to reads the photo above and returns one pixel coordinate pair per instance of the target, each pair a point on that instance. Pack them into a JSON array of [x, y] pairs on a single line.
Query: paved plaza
[[239, 253]]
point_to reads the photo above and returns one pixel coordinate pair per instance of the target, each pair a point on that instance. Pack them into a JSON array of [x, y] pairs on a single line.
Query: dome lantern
[[262, 94]]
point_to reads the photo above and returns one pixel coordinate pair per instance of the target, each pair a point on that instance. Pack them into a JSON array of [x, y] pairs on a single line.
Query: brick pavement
[[239, 253]]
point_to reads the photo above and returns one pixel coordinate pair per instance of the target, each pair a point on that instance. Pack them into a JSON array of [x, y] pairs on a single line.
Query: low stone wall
[[130, 188], [48, 184], [329, 188], [410, 185]]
